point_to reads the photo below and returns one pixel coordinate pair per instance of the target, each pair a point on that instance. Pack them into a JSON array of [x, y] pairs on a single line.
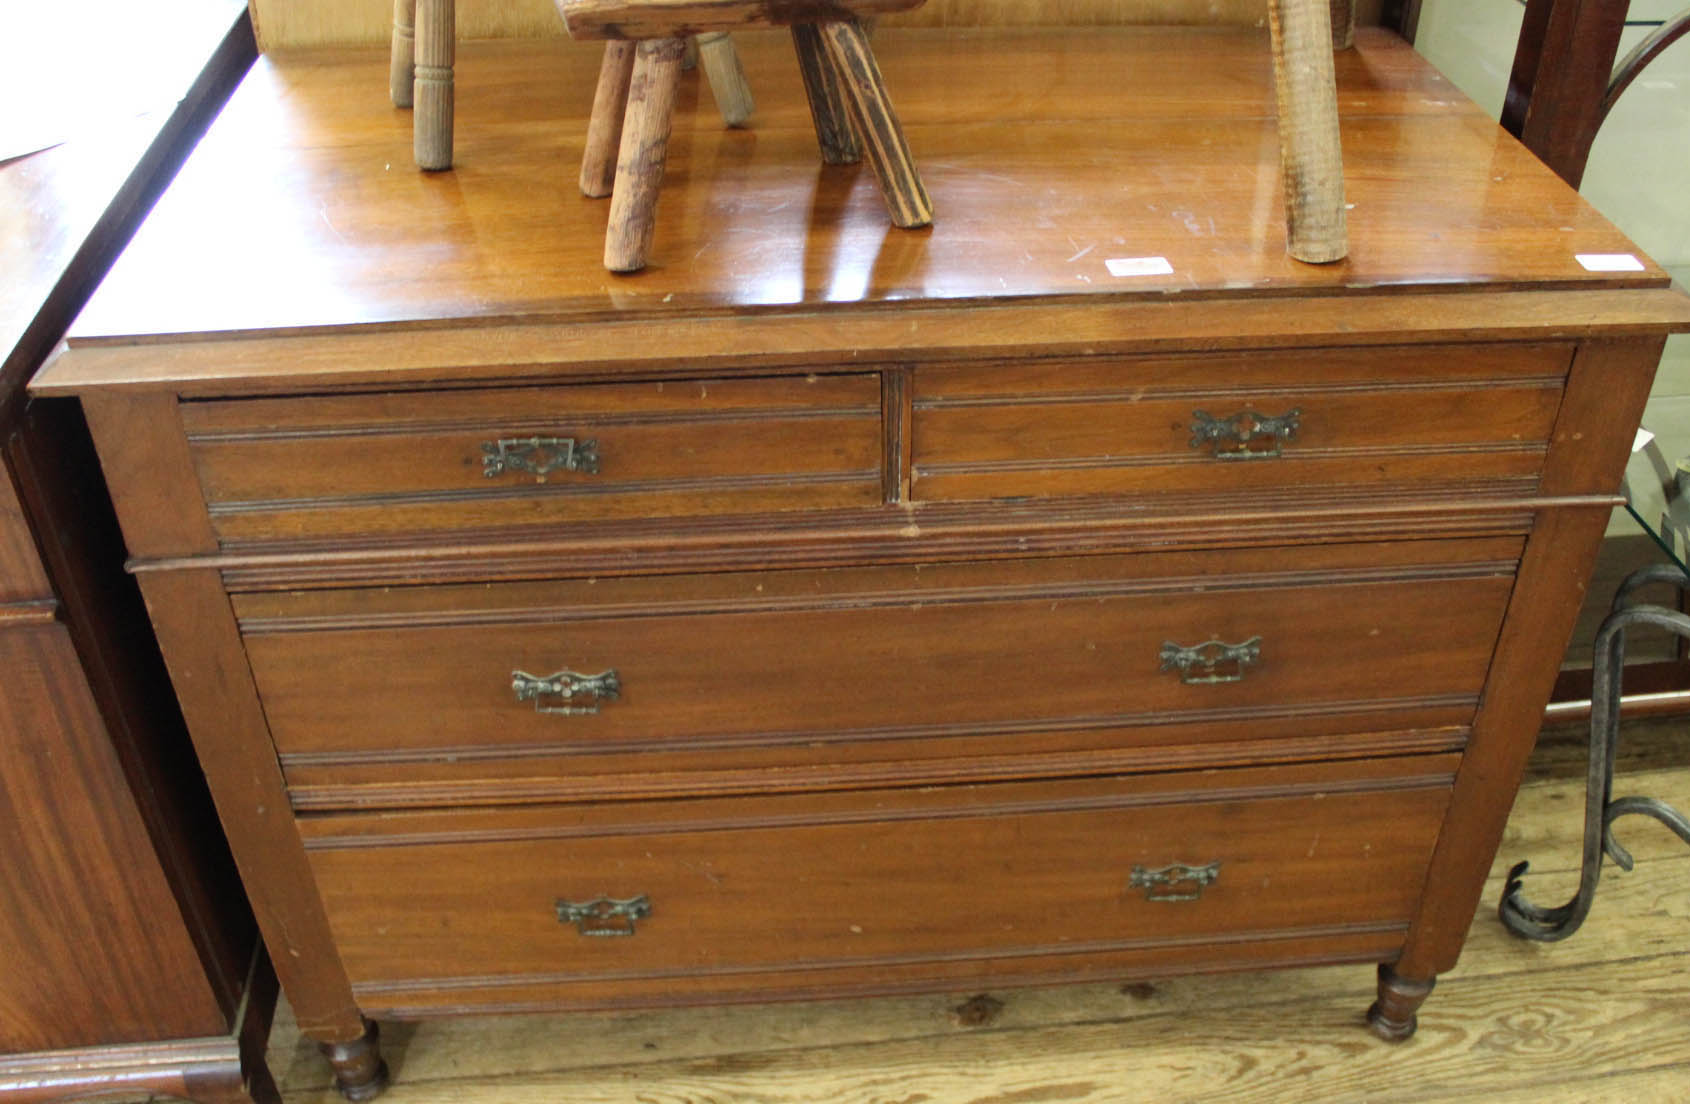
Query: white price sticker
[[1609, 262], [1139, 266]]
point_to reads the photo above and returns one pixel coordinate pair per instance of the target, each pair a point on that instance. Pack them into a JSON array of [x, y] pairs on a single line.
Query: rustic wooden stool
[[420, 76], [635, 100]]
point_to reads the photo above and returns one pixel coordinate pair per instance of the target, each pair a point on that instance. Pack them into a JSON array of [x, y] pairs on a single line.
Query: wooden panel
[[912, 881], [22, 578], [96, 953], [1398, 416], [975, 654], [507, 234], [313, 467]]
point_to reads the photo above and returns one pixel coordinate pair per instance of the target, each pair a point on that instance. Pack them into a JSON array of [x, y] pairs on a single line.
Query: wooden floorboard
[[1602, 1016]]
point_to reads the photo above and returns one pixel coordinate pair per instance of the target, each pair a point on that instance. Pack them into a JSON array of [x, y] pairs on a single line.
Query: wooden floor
[[1603, 1016]]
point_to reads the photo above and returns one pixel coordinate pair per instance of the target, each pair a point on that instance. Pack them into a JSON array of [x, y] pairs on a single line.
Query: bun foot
[[359, 1072], [1392, 1015]]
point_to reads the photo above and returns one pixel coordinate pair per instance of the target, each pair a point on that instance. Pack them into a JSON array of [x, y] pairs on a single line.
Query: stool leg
[[1309, 150], [838, 141], [399, 74], [726, 76], [877, 125], [604, 131], [645, 144], [1343, 24], [432, 126]]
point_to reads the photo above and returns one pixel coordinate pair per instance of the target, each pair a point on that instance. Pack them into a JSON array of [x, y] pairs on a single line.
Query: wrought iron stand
[[1550, 925]]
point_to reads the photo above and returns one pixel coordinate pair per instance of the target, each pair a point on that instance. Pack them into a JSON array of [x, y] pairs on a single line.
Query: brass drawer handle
[[1211, 661], [580, 694], [1166, 884], [539, 456], [1231, 438], [604, 916]]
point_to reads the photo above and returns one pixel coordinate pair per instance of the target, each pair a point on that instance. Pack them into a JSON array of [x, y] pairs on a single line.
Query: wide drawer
[[1407, 416], [536, 691], [394, 464], [748, 898]]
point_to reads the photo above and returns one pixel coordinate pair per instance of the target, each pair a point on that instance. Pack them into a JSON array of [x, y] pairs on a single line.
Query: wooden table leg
[[604, 131], [838, 141], [404, 47], [1310, 154], [877, 125], [432, 125], [645, 145], [1343, 24], [726, 76]]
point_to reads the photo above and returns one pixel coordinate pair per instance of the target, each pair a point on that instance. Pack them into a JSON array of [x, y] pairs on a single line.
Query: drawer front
[[381, 464], [1455, 415], [753, 896], [579, 677]]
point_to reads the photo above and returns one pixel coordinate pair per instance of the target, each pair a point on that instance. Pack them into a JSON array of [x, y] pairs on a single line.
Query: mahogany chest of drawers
[[830, 610]]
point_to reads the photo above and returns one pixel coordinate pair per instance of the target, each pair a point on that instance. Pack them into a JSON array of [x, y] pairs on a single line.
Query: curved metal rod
[[1549, 925], [1633, 64]]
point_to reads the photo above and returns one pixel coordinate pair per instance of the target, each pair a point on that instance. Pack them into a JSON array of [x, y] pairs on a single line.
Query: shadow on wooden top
[[1048, 153]]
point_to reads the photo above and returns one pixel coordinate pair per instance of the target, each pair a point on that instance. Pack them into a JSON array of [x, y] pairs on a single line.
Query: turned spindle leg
[[432, 125], [832, 117], [399, 73], [604, 131], [1310, 154], [877, 125], [639, 162], [1343, 24], [359, 1072], [726, 77], [1392, 1015]]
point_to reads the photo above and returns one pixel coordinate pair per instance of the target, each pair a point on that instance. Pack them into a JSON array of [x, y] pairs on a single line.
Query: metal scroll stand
[[1657, 495]]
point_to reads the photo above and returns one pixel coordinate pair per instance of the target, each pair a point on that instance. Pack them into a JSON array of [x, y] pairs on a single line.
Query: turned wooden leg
[[1392, 1015], [404, 47], [1343, 24], [604, 131], [359, 1072], [877, 125], [432, 86], [832, 117], [1309, 151], [639, 161], [726, 77]]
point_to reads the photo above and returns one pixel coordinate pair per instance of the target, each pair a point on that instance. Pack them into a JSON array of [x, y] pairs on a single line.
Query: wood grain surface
[[351, 237], [96, 958], [284, 24], [1021, 876], [1595, 1018], [1064, 645]]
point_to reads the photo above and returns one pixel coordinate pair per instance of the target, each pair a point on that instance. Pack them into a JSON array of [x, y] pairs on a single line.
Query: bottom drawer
[[755, 898]]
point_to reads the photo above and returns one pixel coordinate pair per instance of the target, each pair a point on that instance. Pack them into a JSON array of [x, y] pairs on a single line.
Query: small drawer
[[1461, 415], [629, 686], [752, 898], [393, 464]]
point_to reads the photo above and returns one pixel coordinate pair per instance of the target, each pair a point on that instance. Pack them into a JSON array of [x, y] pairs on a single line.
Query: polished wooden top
[[1047, 152], [95, 114]]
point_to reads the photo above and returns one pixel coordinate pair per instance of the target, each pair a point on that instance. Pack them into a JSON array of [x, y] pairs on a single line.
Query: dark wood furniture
[[1084, 588], [131, 961]]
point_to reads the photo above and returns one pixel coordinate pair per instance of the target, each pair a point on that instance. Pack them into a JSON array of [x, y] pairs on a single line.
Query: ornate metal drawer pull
[[1165, 884], [1230, 438], [570, 687], [604, 916], [539, 456], [1211, 661]]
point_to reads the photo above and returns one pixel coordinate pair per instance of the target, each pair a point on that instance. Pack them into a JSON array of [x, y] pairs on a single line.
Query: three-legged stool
[[635, 100]]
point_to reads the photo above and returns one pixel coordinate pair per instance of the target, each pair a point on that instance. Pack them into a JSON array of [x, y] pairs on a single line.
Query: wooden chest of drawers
[[823, 612]]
